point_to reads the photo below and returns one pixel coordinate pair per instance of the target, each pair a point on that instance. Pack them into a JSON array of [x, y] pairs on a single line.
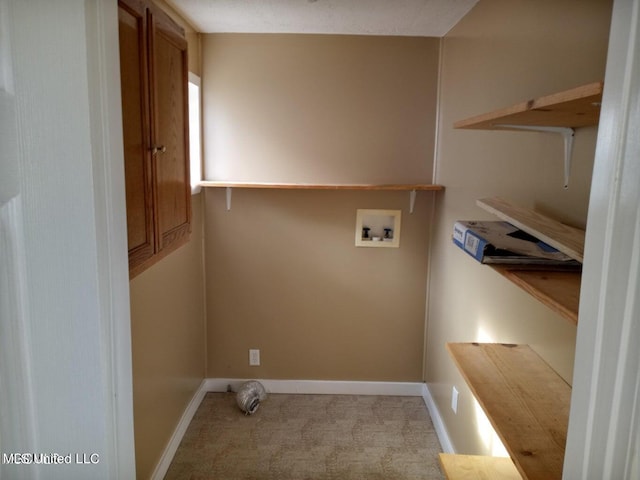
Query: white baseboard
[[436, 418], [169, 452], [335, 387]]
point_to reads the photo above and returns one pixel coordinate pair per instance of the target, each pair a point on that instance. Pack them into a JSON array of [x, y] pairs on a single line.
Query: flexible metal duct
[[250, 395]]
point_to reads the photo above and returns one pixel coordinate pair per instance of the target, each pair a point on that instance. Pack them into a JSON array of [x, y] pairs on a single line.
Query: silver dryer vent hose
[[249, 396]]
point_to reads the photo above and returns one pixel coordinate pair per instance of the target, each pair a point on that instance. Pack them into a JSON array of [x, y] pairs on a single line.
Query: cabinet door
[[169, 132], [136, 131]]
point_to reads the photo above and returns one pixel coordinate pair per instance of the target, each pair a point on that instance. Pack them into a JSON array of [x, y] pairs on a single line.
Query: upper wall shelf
[[322, 186], [559, 113], [411, 188], [574, 108]]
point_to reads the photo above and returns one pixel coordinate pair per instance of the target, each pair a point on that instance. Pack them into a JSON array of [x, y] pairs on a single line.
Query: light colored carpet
[[309, 437]]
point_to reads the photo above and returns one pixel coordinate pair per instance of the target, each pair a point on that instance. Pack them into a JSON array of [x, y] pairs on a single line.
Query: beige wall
[[167, 329], [283, 274], [319, 108], [502, 52]]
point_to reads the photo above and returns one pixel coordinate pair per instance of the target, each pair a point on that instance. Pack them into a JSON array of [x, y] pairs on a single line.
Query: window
[[195, 145]]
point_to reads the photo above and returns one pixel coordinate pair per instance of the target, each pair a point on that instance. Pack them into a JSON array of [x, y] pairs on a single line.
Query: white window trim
[[195, 136]]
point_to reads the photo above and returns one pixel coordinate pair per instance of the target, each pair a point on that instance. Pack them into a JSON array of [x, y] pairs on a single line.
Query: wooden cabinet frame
[[153, 58]]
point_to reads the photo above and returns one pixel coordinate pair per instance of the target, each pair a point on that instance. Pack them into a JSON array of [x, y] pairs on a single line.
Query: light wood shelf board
[[557, 289], [478, 467], [576, 107], [319, 186], [568, 240], [525, 400]]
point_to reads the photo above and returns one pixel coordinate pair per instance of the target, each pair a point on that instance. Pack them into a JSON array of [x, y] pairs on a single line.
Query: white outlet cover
[[254, 357]]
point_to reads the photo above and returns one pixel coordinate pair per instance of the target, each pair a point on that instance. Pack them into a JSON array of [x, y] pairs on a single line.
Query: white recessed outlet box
[[454, 400], [254, 357], [378, 228]]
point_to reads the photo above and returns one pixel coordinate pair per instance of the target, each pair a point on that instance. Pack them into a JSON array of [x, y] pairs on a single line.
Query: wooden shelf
[[557, 289], [478, 467], [323, 186], [568, 240], [525, 400], [577, 107], [411, 188]]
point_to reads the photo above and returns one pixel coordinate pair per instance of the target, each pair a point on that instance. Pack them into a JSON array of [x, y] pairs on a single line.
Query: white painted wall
[[64, 282]]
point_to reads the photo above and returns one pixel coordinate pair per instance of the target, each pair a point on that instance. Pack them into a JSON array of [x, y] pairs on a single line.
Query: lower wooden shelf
[[557, 289], [478, 467], [525, 400]]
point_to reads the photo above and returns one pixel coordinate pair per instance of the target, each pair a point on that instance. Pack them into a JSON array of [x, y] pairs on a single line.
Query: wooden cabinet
[[153, 69]]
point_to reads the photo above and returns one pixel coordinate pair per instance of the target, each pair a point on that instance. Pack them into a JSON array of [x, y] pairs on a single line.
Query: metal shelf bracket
[[567, 134], [412, 200]]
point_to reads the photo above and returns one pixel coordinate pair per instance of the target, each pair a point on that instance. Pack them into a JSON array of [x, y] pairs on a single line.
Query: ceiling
[[425, 18]]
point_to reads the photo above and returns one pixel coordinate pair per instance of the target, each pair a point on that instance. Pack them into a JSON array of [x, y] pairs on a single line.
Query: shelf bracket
[[567, 134], [412, 200], [229, 189]]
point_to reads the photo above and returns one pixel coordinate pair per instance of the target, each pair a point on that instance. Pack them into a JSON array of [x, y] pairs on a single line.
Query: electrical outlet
[[454, 400], [254, 357]]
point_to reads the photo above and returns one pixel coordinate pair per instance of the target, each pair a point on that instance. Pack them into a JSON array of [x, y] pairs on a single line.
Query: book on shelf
[[497, 242]]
